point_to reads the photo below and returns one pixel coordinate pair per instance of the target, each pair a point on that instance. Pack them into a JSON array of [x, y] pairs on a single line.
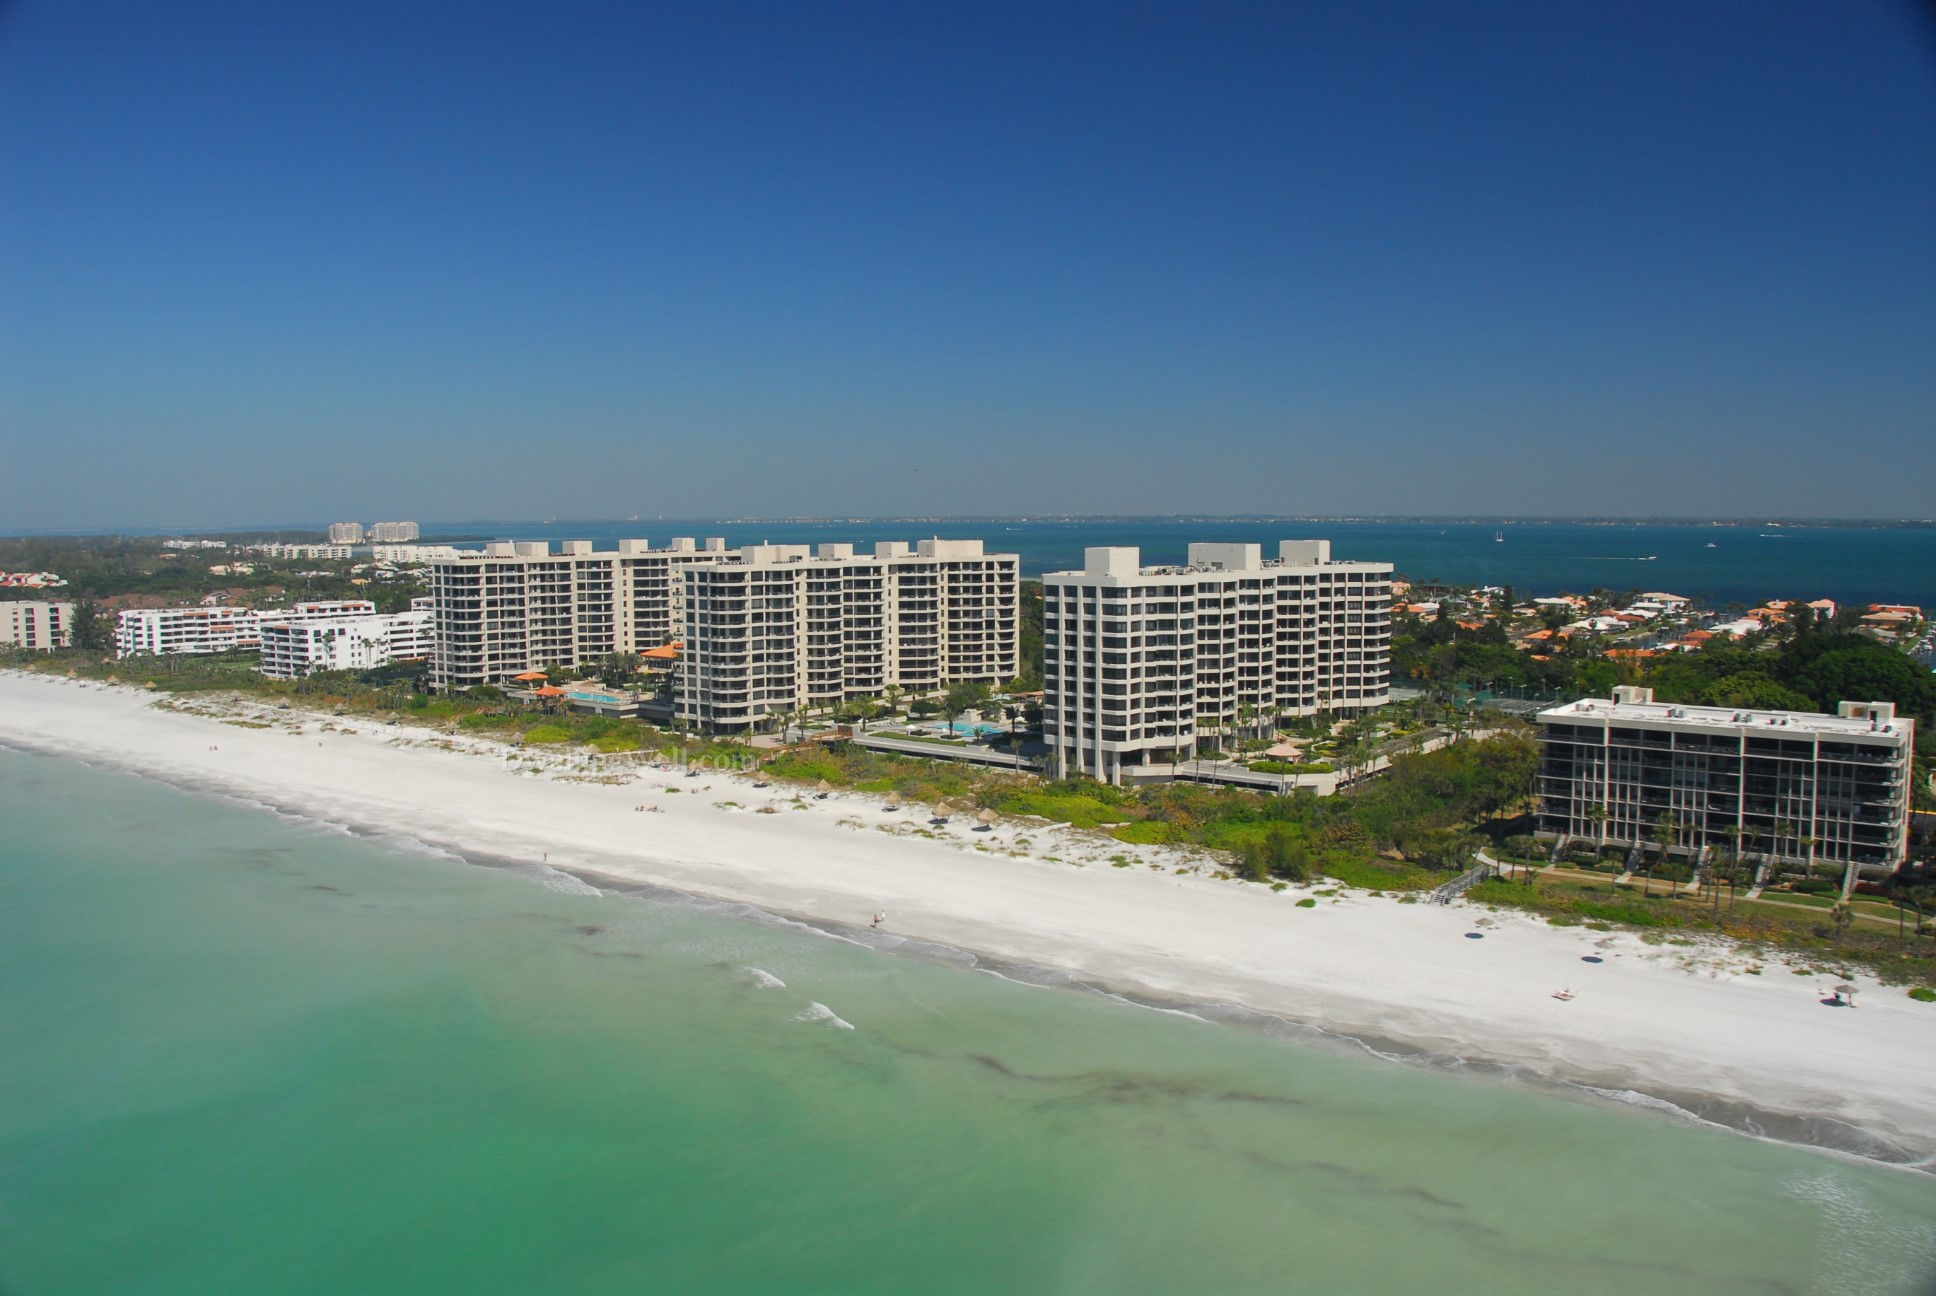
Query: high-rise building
[[917, 618], [345, 533], [1145, 665], [392, 532], [777, 628], [1794, 788], [35, 624], [517, 606]]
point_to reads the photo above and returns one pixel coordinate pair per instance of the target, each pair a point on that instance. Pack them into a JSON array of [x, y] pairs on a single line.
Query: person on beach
[[879, 918]]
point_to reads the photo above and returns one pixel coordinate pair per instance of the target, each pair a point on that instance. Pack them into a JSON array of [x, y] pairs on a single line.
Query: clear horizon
[[434, 527], [1388, 260]]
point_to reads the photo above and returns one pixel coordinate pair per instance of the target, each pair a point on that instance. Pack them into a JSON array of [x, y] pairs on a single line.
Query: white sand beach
[[1657, 1019]]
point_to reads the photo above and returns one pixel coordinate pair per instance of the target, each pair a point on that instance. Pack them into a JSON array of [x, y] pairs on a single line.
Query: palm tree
[[1666, 829], [1784, 831], [1597, 812], [1754, 836]]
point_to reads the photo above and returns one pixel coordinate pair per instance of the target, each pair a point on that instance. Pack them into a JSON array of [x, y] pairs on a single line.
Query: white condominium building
[[1141, 665], [1799, 787], [38, 625], [395, 555], [159, 631], [345, 533], [391, 532], [517, 606], [292, 649], [781, 627], [332, 552]]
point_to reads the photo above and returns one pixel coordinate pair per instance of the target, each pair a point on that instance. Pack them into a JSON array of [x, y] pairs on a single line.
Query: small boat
[[1562, 994], [1499, 537], [1711, 544]]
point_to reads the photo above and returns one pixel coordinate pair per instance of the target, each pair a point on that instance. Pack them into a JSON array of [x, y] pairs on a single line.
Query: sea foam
[[819, 1012]]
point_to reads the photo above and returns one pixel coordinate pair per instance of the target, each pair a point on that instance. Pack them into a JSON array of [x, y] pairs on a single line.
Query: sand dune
[[1657, 1019]]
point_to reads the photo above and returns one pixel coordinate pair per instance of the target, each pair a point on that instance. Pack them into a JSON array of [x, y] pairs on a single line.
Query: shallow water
[[240, 1053]]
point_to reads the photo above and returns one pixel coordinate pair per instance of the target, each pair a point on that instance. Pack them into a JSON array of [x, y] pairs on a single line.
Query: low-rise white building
[[399, 555], [38, 625], [294, 648], [162, 631], [328, 552]]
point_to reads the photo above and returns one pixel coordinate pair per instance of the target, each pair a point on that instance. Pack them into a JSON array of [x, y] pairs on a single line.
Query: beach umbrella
[[823, 788], [987, 818], [893, 800], [1847, 992], [942, 809]]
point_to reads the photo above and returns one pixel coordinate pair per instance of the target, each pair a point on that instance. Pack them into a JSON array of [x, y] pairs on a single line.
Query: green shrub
[[1307, 903], [547, 733], [1148, 832], [1923, 994]]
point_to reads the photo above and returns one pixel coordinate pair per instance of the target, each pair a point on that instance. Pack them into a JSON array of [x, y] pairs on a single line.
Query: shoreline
[[1686, 1027]]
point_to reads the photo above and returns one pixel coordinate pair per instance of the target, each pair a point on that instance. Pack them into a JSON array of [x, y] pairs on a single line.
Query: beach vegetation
[[1855, 934], [1921, 994]]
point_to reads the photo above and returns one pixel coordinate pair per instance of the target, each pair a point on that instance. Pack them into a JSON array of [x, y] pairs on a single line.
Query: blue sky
[[274, 263]]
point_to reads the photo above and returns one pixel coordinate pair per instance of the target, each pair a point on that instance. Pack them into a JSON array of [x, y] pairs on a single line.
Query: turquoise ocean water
[[241, 1053], [1745, 562]]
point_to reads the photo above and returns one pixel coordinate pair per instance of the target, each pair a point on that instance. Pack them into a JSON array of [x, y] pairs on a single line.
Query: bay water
[[1718, 563], [244, 1053]]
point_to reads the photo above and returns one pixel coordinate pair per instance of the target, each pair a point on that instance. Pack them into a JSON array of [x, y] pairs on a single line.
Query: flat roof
[[1740, 719]]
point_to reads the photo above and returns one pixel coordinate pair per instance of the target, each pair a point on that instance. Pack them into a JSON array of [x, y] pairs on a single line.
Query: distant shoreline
[[486, 528]]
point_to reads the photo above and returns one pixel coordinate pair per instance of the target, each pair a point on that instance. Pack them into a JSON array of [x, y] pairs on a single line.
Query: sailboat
[[1499, 537]]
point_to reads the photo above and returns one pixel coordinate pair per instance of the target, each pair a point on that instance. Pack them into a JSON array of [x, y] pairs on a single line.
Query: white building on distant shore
[[330, 552], [38, 625], [346, 533], [392, 532], [1142, 665], [401, 555], [163, 631]]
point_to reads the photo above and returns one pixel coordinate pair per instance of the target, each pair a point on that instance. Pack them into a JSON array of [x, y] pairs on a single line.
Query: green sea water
[[244, 1054]]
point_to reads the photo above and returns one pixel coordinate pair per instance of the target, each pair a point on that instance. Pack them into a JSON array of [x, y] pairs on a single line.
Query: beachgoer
[[879, 918]]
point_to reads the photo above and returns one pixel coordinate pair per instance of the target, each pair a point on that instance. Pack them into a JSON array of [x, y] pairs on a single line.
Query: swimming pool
[[980, 729]]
